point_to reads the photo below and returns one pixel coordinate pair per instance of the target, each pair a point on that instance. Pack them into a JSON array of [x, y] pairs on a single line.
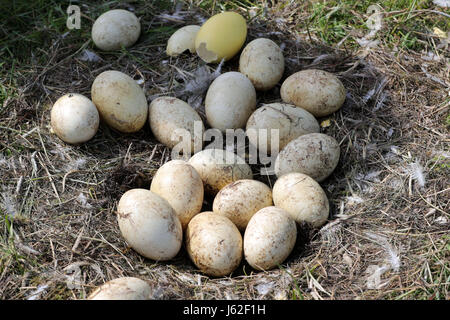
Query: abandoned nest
[[388, 197]]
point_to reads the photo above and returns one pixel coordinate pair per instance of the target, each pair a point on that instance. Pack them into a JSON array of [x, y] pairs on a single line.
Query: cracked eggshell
[[269, 238], [125, 288], [116, 28], [302, 197], [262, 62], [230, 101], [218, 167], [314, 154], [179, 183], [74, 118], [214, 244], [149, 224], [169, 116], [120, 101], [317, 91], [240, 200], [181, 40], [290, 121], [221, 37]]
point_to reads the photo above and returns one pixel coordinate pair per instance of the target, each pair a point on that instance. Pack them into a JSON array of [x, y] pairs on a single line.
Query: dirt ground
[[388, 234]]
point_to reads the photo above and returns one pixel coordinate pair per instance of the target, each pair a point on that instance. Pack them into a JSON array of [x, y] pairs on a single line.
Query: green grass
[[405, 22], [403, 25]]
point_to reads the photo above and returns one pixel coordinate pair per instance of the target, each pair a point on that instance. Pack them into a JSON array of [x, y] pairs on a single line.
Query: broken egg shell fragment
[[183, 39]]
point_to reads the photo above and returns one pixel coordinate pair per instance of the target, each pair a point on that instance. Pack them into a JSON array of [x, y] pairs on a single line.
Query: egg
[[221, 37], [229, 102], [170, 117], [120, 101], [317, 91], [180, 184], [214, 244], [74, 118], [262, 62], [314, 154], [290, 121], [114, 29], [302, 197], [125, 288], [269, 238], [181, 40], [240, 200], [149, 224], [218, 167]]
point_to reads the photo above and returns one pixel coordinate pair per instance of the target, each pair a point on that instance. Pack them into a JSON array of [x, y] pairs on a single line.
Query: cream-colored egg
[[171, 119], [262, 62], [314, 154], [181, 40], [240, 200], [149, 224], [230, 101], [317, 91], [125, 288], [269, 238], [288, 122], [74, 118], [221, 37], [120, 101], [302, 197], [179, 183], [218, 167], [116, 28], [214, 244]]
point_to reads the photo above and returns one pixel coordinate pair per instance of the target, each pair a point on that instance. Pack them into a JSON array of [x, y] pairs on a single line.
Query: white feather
[[417, 173]]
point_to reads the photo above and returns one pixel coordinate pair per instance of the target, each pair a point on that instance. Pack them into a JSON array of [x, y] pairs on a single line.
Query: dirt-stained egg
[[269, 238], [180, 184], [120, 101], [221, 37], [114, 29], [230, 100], [74, 118], [149, 224], [240, 200], [288, 122], [314, 154], [302, 197], [181, 40], [173, 122], [262, 62], [214, 244], [317, 91], [218, 167], [125, 288]]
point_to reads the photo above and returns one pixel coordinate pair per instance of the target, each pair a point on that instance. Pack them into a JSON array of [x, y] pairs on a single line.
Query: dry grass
[[388, 236]]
